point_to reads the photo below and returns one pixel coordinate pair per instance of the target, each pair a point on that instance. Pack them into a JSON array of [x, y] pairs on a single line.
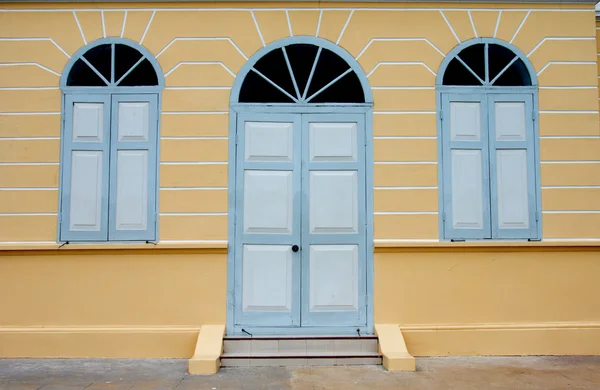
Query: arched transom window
[[301, 73], [489, 182], [110, 130]]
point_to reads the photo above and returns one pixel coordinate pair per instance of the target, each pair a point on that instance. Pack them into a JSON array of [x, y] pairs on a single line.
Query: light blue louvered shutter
[[85, 168], [133, 167], [465, 167], [512, 166]]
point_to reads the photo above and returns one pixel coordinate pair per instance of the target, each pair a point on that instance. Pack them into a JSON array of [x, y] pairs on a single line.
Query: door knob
[[295, 248]]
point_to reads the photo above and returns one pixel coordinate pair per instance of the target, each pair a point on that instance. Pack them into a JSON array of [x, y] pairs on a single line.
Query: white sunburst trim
[[319, 23], [200, 63], [79, 26], [401, 63], [520, 26], [472, 24], [103, 24], [124, 23], [202, 39], [147, 26], [344, 28], [559, 39], [399, 40], [31, 64], [450, 26], [497, 23], [289, 23], [262, 39], [38, 40], [565, 63]]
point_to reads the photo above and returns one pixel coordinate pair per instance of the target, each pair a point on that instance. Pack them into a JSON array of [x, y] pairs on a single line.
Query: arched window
[[488, 159], [111, 94], [305, 71]]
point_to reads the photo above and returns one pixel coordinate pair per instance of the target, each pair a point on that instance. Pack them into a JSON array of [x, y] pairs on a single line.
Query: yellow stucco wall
[[151, 302]]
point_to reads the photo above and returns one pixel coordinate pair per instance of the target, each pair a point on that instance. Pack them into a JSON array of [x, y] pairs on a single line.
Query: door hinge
[[443, 216], [533, 115], [236, 138], [537, 216], [441, 115]]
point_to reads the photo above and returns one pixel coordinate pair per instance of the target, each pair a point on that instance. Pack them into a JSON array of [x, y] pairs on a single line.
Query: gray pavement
[[432, 373]]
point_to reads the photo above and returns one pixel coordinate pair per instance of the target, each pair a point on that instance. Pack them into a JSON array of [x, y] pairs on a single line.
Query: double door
[[300, 221]]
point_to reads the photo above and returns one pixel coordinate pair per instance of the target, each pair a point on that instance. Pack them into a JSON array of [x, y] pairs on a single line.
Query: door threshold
[[299, 332]]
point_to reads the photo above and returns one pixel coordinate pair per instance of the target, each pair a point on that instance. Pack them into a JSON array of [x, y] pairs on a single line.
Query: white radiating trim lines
[[200, 63], [520, 26], [571, 87], [568, 112], [27, 88], [450, 26], [38, 39], [30, 64], [405, 163], [124, 23], [401, 63], [193, 188], [27, 214], [405, 213], [344, 28], [403, 88], [198, 88], [194, 137], [30, 113], [404, 112], [319, 23], [398, 40], [192, 214], [569, 187], [571, 212], [103, 24], [28, 163], [289, 22], [27, 138], [497, 23], [570, 162], [80, 29], [570, 136], [399, 188], [404, 137], [147, 27], [401, 240], [193, 163], [28, 188], [193, 241], [472, 24], [558, 39], [195, 113], [203, 39], [565, 63], [258, 28]]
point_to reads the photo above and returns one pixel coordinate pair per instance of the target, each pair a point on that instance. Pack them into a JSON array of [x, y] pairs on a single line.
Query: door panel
[[334, 224], [267, 272]]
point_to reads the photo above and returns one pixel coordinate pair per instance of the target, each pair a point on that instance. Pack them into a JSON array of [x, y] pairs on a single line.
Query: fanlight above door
[[301, 73]]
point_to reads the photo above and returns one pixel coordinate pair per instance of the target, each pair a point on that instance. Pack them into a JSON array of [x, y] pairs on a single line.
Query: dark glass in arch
[[328, 70], [129, 64]]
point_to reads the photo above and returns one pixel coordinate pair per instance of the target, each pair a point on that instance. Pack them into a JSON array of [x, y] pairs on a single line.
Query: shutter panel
[[512, 166], [133, 167], [84, 166], [465, 167]]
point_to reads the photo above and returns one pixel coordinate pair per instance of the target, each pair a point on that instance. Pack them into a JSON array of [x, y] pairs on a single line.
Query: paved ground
[[432, 373]]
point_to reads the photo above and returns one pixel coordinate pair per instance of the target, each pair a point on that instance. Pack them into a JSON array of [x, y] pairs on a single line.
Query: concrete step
[[300, 350]]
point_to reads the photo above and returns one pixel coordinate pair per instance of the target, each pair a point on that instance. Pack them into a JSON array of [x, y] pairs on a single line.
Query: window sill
[[485, 244], [114, 246]]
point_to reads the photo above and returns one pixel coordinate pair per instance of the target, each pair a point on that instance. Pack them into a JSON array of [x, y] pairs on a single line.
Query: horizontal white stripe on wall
[[28, 138], [26, 214], [193, 188], [31, 64], [195, 163], [571, 212], [570, 162], [405, 163], [28, 163], [200, 63], [193, 241], [30, 113], [28, 88], [403, 137], [28, 189], [197, 88], [569, 187], [195, 112], [574, 112]]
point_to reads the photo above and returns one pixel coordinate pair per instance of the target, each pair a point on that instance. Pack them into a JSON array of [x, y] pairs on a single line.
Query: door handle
[[295, 248]]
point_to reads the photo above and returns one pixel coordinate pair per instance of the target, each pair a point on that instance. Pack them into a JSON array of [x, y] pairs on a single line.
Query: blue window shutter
[[85, 168], [465, 167], [133, 165], [512, 166]]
